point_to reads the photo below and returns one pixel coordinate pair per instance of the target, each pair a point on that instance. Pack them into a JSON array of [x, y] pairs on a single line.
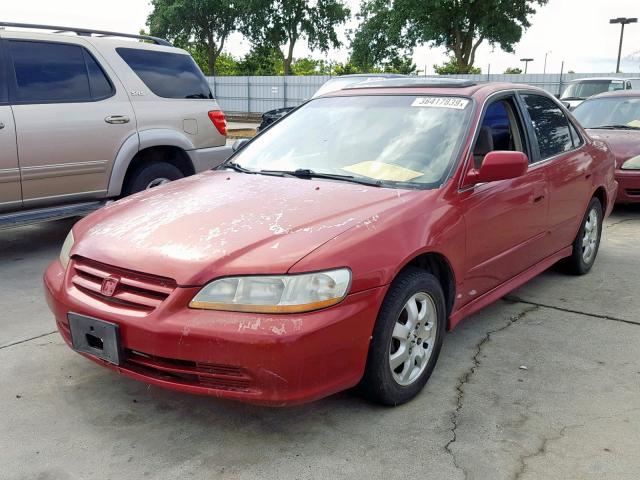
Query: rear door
[[561, 153], [506, 221], [71, 119], [10, 192]]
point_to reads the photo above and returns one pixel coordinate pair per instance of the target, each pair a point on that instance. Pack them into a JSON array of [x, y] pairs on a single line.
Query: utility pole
[[526, 63], [622, 21], [544, 70]]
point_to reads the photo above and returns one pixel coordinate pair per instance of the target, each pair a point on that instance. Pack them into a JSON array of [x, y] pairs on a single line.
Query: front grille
[[633, 191], [209, 375], [138, 291]]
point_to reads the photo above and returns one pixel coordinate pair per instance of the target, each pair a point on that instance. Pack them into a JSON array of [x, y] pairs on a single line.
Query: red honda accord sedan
[[335, 248], [615, 118]]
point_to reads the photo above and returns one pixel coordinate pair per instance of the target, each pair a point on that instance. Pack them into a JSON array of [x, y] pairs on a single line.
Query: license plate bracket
[[95, 337]]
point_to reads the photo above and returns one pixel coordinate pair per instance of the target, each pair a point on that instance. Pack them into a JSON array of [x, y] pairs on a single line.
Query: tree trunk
[[288, 60]]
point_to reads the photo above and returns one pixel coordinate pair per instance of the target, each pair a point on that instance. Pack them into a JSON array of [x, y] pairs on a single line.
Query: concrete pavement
[[544, 384]]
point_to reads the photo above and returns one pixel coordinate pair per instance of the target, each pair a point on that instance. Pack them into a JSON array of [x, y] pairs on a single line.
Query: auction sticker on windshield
[[441, 102]]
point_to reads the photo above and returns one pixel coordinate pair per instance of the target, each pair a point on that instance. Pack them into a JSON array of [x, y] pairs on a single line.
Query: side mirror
[[238, 144], [499, 165]]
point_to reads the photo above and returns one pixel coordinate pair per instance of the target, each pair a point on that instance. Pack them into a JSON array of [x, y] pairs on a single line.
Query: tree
[[452, 67], [282, 23], [203, 23], [262, 60], [460, 26], [513, 71]]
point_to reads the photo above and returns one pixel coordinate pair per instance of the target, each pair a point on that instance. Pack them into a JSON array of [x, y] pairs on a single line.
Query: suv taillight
[[220, 122]]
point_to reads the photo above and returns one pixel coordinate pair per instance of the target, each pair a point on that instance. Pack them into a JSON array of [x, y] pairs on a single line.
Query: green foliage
[[276, 23], [453, 67], [393, 27], [513, 71], [262, 60], [201, 26], [347, 68]]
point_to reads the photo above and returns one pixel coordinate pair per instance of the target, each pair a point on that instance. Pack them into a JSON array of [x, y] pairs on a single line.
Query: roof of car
[[616, 93], [422, 87], [51, 32], [599, 79]]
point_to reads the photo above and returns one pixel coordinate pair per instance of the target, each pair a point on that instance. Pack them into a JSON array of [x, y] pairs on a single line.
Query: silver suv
[[86, 117]]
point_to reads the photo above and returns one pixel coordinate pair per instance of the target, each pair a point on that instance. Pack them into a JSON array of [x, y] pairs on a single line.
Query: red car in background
[[615, 118], [335, 248]]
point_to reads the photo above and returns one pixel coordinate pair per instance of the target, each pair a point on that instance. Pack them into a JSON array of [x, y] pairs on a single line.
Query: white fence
[[259, 94]]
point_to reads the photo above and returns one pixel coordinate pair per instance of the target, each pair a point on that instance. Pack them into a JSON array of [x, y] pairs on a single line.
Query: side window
[[168, 75], [98, 82], [500, 130], [550, 125], [55, 72], [3, 79], [575, 136]]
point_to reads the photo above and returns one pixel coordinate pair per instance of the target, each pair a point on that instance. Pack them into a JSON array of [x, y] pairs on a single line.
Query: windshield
[[603, 112], [396, 139], [589, 88]]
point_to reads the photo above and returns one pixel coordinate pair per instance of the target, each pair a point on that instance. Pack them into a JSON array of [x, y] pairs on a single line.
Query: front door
[[71, 120], [506, 221]]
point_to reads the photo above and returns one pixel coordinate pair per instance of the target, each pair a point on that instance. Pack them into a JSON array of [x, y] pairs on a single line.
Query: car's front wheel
[[406, 339], [587, 241]]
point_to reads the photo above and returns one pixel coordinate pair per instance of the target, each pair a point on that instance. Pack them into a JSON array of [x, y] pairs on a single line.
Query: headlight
[[632, 164], [275, 294], [66, 249]]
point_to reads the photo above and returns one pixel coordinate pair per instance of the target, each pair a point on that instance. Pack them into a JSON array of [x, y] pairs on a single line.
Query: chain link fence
[[256, 95]]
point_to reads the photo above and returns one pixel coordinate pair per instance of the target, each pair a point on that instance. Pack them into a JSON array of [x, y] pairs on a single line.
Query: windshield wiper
[[236, 167], [572, 98], [617, 127], [307, 173]]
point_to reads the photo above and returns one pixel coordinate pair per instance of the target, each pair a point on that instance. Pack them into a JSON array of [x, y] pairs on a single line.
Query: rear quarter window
[[550, 125], [166, 74]]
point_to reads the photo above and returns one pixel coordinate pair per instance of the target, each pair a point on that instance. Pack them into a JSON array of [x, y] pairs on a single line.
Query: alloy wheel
[[156, 182], [413, 339], [590, 236]]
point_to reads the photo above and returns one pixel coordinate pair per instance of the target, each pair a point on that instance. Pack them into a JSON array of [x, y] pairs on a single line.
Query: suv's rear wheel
[[406, 339], [152, 175]]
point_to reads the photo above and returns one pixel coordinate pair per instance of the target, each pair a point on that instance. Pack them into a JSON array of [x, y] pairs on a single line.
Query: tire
[[152, 174], [583, 257], [383, 384]]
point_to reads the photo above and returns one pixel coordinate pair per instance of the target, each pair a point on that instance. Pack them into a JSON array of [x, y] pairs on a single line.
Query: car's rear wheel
[[152, 175], [406, 339], [587, 241]]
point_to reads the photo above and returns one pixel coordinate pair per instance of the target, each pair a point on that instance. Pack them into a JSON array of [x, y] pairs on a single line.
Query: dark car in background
[[615, 118], [334, 84]]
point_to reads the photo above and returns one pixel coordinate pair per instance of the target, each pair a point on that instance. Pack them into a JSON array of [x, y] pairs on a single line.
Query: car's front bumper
[[207, 158], [628, 186], [264, 359]]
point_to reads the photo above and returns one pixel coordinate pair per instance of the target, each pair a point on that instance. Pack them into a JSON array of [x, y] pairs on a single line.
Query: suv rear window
[[56, 72], [168, 75]]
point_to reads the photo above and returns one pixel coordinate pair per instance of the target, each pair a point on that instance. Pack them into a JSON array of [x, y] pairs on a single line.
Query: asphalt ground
[[543, 384]]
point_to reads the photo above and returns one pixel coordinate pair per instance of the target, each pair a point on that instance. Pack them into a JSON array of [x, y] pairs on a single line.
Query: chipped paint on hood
[[223, 223]]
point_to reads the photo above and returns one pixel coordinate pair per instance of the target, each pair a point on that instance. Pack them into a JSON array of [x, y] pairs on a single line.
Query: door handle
[[117, 119], [538, 198], [1, 125]]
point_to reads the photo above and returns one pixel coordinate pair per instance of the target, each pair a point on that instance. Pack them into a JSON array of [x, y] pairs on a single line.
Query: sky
[[574, 31]]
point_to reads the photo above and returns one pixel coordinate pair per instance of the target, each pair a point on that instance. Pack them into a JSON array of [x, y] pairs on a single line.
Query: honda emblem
[[109, 286]]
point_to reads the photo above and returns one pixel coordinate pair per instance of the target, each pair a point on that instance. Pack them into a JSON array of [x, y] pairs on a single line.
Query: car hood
[[623, 143], [227, 223]]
